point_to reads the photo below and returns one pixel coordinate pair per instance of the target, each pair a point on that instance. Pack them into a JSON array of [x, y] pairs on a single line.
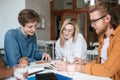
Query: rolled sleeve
[[88, 67]]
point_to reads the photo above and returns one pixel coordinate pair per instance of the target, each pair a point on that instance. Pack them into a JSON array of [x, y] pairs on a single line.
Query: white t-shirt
[[104, 50], [76, 49]]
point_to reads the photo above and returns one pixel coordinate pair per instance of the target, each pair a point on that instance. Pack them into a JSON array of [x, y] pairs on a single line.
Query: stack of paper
[[34, 69]]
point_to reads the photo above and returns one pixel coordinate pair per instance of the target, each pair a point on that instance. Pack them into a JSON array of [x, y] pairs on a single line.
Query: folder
[[62, 77], [49, 76]]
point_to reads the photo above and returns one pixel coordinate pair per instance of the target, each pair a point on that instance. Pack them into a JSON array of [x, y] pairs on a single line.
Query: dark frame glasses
[[94, 20]]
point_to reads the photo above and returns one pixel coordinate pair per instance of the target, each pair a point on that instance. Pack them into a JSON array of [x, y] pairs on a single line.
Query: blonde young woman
[[71, 42]]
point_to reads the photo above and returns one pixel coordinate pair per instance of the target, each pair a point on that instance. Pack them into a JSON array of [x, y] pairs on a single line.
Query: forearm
[[86, 61], [79, 68], [38, 55], [81, 61], [6, 72]]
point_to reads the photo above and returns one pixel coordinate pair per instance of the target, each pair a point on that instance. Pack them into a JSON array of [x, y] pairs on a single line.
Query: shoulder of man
[[12, 31]]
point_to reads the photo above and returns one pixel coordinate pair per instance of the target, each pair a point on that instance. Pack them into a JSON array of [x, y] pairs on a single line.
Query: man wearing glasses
[[106, 24]]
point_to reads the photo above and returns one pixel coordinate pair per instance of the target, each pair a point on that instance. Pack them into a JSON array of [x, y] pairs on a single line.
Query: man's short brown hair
[[28, 15]]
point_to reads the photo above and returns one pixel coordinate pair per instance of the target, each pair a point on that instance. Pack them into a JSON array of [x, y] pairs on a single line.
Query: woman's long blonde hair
[[76, 30]]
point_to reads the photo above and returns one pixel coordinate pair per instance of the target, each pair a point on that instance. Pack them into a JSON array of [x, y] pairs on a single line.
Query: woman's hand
[[46, 57], [79, 61]]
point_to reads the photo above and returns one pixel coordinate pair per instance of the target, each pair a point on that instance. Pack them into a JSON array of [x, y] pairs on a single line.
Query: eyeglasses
[[94, 20], [68, 30]]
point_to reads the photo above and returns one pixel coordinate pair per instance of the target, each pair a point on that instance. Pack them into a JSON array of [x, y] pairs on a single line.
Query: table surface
[[78, 76], [74, 75]]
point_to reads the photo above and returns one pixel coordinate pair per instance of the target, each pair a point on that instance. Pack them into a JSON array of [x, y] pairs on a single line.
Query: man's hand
[[46, 57], [60, 66], [80, 61], [23, 60]]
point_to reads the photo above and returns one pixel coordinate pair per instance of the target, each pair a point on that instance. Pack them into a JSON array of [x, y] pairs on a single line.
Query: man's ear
[[108, 18]]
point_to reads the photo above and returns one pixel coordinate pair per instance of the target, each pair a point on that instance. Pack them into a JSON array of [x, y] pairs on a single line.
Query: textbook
[[35, 69]]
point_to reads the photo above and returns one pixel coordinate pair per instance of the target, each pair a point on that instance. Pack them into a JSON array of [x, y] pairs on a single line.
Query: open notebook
[[34, 69]]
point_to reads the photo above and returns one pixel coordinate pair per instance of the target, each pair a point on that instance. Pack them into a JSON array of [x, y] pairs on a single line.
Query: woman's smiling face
[[68, 31]]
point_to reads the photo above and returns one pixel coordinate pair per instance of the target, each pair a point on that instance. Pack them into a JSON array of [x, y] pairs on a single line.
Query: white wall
[[9, 10], [42, 7]]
